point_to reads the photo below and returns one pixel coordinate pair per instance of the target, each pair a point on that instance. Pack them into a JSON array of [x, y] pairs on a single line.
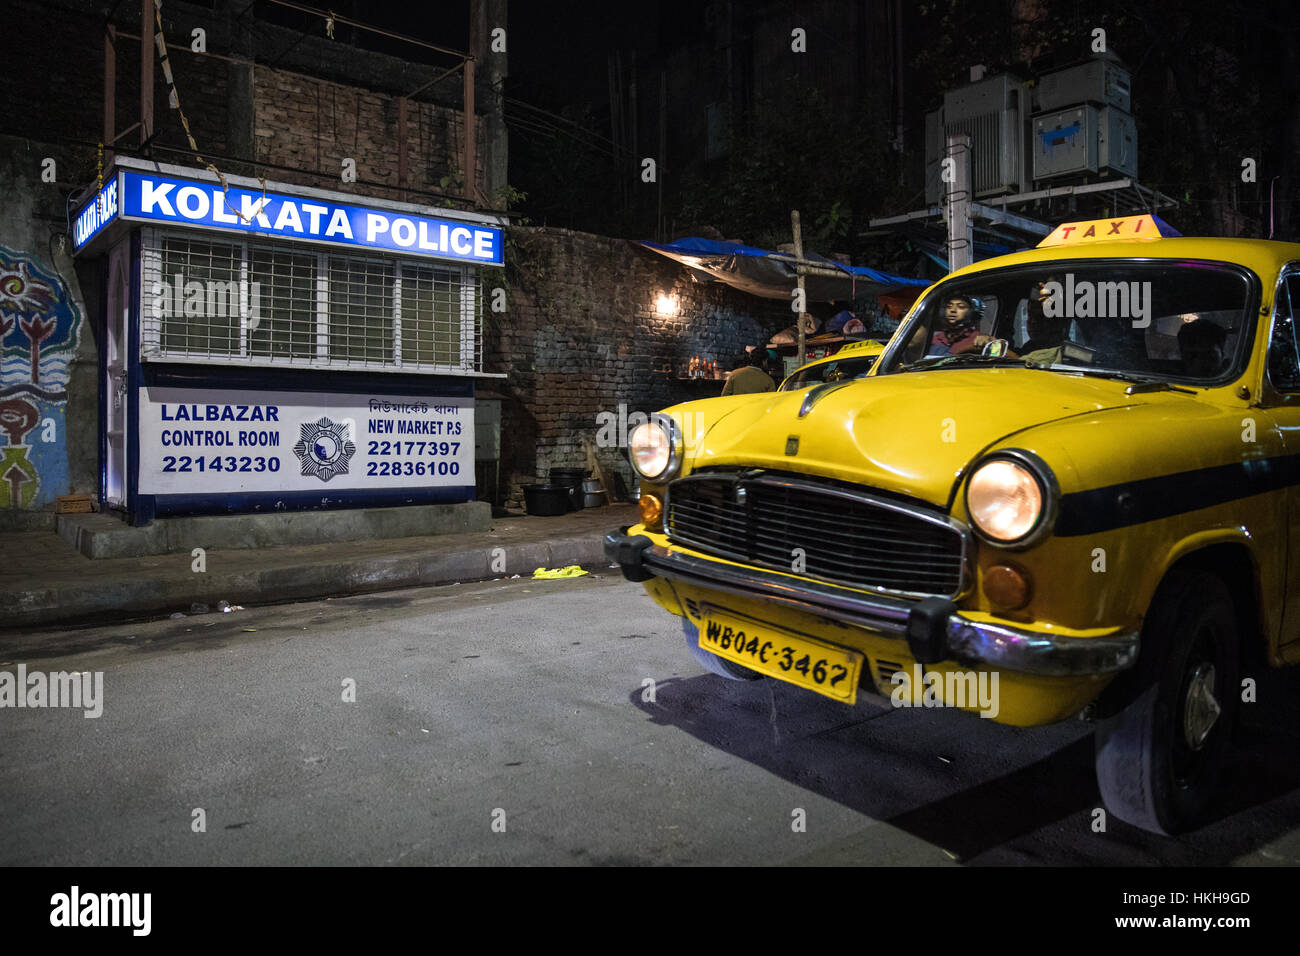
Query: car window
[[1283, 351], [1163, 319]]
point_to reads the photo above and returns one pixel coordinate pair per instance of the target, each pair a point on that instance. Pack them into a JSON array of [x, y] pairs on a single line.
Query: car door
[[1281, 401]]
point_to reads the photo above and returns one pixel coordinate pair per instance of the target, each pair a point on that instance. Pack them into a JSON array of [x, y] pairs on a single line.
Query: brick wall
[[322, 102], [312, 125], [580, 336]]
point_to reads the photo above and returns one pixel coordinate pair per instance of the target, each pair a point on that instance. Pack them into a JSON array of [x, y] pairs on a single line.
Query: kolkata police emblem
[[324, 449]]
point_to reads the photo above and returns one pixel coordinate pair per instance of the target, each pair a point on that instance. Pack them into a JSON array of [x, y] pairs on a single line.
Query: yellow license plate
[[795, 658]]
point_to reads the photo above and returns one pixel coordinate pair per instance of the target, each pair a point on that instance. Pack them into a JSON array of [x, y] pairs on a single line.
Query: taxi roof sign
[[863, 346], [1108, 230]]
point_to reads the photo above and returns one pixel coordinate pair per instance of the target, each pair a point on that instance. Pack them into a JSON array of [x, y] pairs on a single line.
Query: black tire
[[1154, 768], [712, 662]]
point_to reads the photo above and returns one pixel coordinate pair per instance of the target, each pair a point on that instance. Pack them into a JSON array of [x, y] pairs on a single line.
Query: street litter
[[572, 571]]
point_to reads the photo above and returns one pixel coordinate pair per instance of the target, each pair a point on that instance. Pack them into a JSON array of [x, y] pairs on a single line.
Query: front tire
[[712, 662], [1160, 758]]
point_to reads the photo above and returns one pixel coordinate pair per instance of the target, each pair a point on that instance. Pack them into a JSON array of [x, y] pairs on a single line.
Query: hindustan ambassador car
[[1069, 486], [853, 360]]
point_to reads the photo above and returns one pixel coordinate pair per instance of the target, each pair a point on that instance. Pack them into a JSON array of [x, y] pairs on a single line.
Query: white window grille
[[210, 300]]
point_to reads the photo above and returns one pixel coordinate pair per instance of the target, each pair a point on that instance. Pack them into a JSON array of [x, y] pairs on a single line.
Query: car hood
[[910, 433]]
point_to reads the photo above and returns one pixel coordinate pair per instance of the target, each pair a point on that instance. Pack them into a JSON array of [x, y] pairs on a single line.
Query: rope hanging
[[174, 101]]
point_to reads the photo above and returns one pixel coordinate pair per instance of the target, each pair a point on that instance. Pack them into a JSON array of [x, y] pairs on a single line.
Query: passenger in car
[[1046, 333], [1200, 345]]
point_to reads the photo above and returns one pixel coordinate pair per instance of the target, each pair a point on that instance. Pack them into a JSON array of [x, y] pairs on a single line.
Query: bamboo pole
[[799, 271]]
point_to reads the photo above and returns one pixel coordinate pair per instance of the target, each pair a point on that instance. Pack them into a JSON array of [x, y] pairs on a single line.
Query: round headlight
[[1005, 500], [651, 447]]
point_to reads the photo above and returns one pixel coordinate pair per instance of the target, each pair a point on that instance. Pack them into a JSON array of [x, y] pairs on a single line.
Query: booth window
[[195, 297], [361, 309], [267, 303], [281, 320], [429, 321]]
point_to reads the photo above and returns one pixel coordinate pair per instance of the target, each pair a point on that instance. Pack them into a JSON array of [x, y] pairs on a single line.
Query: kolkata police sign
[[161, 199], [98, 213]]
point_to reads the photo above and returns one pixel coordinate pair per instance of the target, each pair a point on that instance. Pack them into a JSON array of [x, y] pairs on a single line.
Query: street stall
[[270, 347], [875, 300]]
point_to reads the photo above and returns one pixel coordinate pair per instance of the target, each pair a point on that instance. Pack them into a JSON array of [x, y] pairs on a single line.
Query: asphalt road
[[522, 704]]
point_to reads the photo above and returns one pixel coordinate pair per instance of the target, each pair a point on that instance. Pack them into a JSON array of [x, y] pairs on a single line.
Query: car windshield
[[836, 370], [1149, 319]]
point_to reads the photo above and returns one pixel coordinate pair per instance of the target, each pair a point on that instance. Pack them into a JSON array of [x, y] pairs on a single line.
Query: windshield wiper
[[964, 358], [1137, 384]]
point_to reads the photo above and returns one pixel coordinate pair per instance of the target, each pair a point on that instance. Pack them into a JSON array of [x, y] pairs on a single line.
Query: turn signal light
[[651, 510], [1008, 586]]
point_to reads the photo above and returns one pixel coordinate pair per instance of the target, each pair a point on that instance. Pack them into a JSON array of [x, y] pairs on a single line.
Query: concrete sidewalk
[[44, 580]]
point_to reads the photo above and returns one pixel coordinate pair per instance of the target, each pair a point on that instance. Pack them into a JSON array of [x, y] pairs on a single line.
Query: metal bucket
[[573, 479]]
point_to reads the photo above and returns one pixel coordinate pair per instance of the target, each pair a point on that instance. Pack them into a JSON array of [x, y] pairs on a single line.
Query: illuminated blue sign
[[155, 198], [98, 213]]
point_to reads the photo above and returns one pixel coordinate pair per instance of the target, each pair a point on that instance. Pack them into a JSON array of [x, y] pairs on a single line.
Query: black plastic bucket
[[571, 478], [547, 500]]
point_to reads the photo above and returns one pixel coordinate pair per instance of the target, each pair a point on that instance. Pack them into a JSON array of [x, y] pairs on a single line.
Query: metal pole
[[663, 147], [799, 271], [110, 92], [401, 146], [147, 28], [961, 230], [471, 178]]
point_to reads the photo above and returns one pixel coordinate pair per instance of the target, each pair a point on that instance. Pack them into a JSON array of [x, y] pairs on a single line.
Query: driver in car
[[960, 329]]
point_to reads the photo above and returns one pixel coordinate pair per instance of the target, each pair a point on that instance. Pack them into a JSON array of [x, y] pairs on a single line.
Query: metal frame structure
[[465, 66], [1129, 195]]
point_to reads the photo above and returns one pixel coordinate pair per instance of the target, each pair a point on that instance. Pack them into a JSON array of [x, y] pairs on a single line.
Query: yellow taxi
[[853, 360], [1070, 485]]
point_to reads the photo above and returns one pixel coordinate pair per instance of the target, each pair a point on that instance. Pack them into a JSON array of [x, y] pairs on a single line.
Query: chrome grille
[[846, 535]]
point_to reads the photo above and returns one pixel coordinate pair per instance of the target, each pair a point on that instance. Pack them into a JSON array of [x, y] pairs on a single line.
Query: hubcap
[[1200, 709]]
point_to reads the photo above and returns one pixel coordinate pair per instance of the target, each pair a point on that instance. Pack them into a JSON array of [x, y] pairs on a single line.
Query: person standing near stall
[[749, 376]]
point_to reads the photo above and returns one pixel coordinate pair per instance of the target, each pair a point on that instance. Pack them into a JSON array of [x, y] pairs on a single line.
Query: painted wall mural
[[39, 328]]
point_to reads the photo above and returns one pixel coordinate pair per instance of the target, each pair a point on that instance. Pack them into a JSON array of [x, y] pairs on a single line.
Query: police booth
[[276, 348]]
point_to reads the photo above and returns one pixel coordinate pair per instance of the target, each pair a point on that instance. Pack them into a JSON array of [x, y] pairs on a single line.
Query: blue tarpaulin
[[772, 275]]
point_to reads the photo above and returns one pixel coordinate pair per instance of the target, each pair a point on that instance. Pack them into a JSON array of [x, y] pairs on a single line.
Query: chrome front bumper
[[933, 627]]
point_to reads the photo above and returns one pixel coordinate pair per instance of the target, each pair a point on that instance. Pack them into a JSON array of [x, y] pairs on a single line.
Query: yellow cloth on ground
[[572, 571]]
